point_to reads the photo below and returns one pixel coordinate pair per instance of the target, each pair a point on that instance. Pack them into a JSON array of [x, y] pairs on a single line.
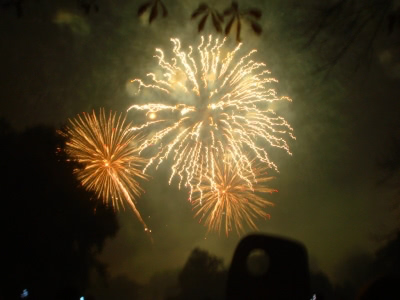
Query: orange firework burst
[[107, 150], [232, 198]]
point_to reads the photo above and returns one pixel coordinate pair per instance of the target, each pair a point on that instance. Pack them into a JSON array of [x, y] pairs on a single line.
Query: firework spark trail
[[107, 150], [231, 203], [221, 105]]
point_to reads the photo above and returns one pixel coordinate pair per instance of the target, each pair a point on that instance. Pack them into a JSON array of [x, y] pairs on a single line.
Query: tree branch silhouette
[[348, 23]]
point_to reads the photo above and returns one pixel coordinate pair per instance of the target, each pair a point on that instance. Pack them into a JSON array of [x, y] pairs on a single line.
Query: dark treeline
[[204, 276], [51, 229]]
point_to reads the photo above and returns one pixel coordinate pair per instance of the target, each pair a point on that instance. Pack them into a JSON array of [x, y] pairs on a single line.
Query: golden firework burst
[[232, 200], [107, 151]]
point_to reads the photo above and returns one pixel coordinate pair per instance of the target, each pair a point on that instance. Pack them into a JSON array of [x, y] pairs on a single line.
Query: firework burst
[[107, 150], [213, 103], [231, 203]]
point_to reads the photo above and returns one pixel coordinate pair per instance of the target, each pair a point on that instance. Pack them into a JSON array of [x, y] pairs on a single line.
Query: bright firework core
[[214, 105]]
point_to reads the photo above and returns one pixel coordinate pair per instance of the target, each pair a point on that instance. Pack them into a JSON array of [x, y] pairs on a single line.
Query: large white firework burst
[[210, 102]]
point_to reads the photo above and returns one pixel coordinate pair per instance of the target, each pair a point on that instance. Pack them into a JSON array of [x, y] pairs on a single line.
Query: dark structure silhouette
[[266, 267], [384, 287]]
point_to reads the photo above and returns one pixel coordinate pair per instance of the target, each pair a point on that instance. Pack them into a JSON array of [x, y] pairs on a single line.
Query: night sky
[[57, 61]]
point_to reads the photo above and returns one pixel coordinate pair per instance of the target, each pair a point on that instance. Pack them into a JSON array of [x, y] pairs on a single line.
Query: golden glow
[[152, 116], [214, 103], [107, 151], [230, 202]]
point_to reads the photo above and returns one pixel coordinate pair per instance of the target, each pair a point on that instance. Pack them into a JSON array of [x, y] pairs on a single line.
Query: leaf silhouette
[[164, 9], [205, 10], [202, 23], [201, 9], [143, 8], [256, 13], [154, 9], [234, 12], [216, 23], [228, 11], [153, 13], [219, 16], [228, 27], [250, 16], [238, 28], [256, 27]]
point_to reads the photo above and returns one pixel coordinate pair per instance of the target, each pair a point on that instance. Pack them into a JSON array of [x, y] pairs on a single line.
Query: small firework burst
[[232, 200], [107, 151]]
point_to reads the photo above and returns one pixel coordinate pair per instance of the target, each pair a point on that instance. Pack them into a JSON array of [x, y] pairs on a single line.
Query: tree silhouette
[[51, 230], [205, 11], [202, 277], [153, 6], [119, 287], [384, 284], [17, 4], [250, 15], [348, 22], [390, 177], [364, 271], [388, 258]]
